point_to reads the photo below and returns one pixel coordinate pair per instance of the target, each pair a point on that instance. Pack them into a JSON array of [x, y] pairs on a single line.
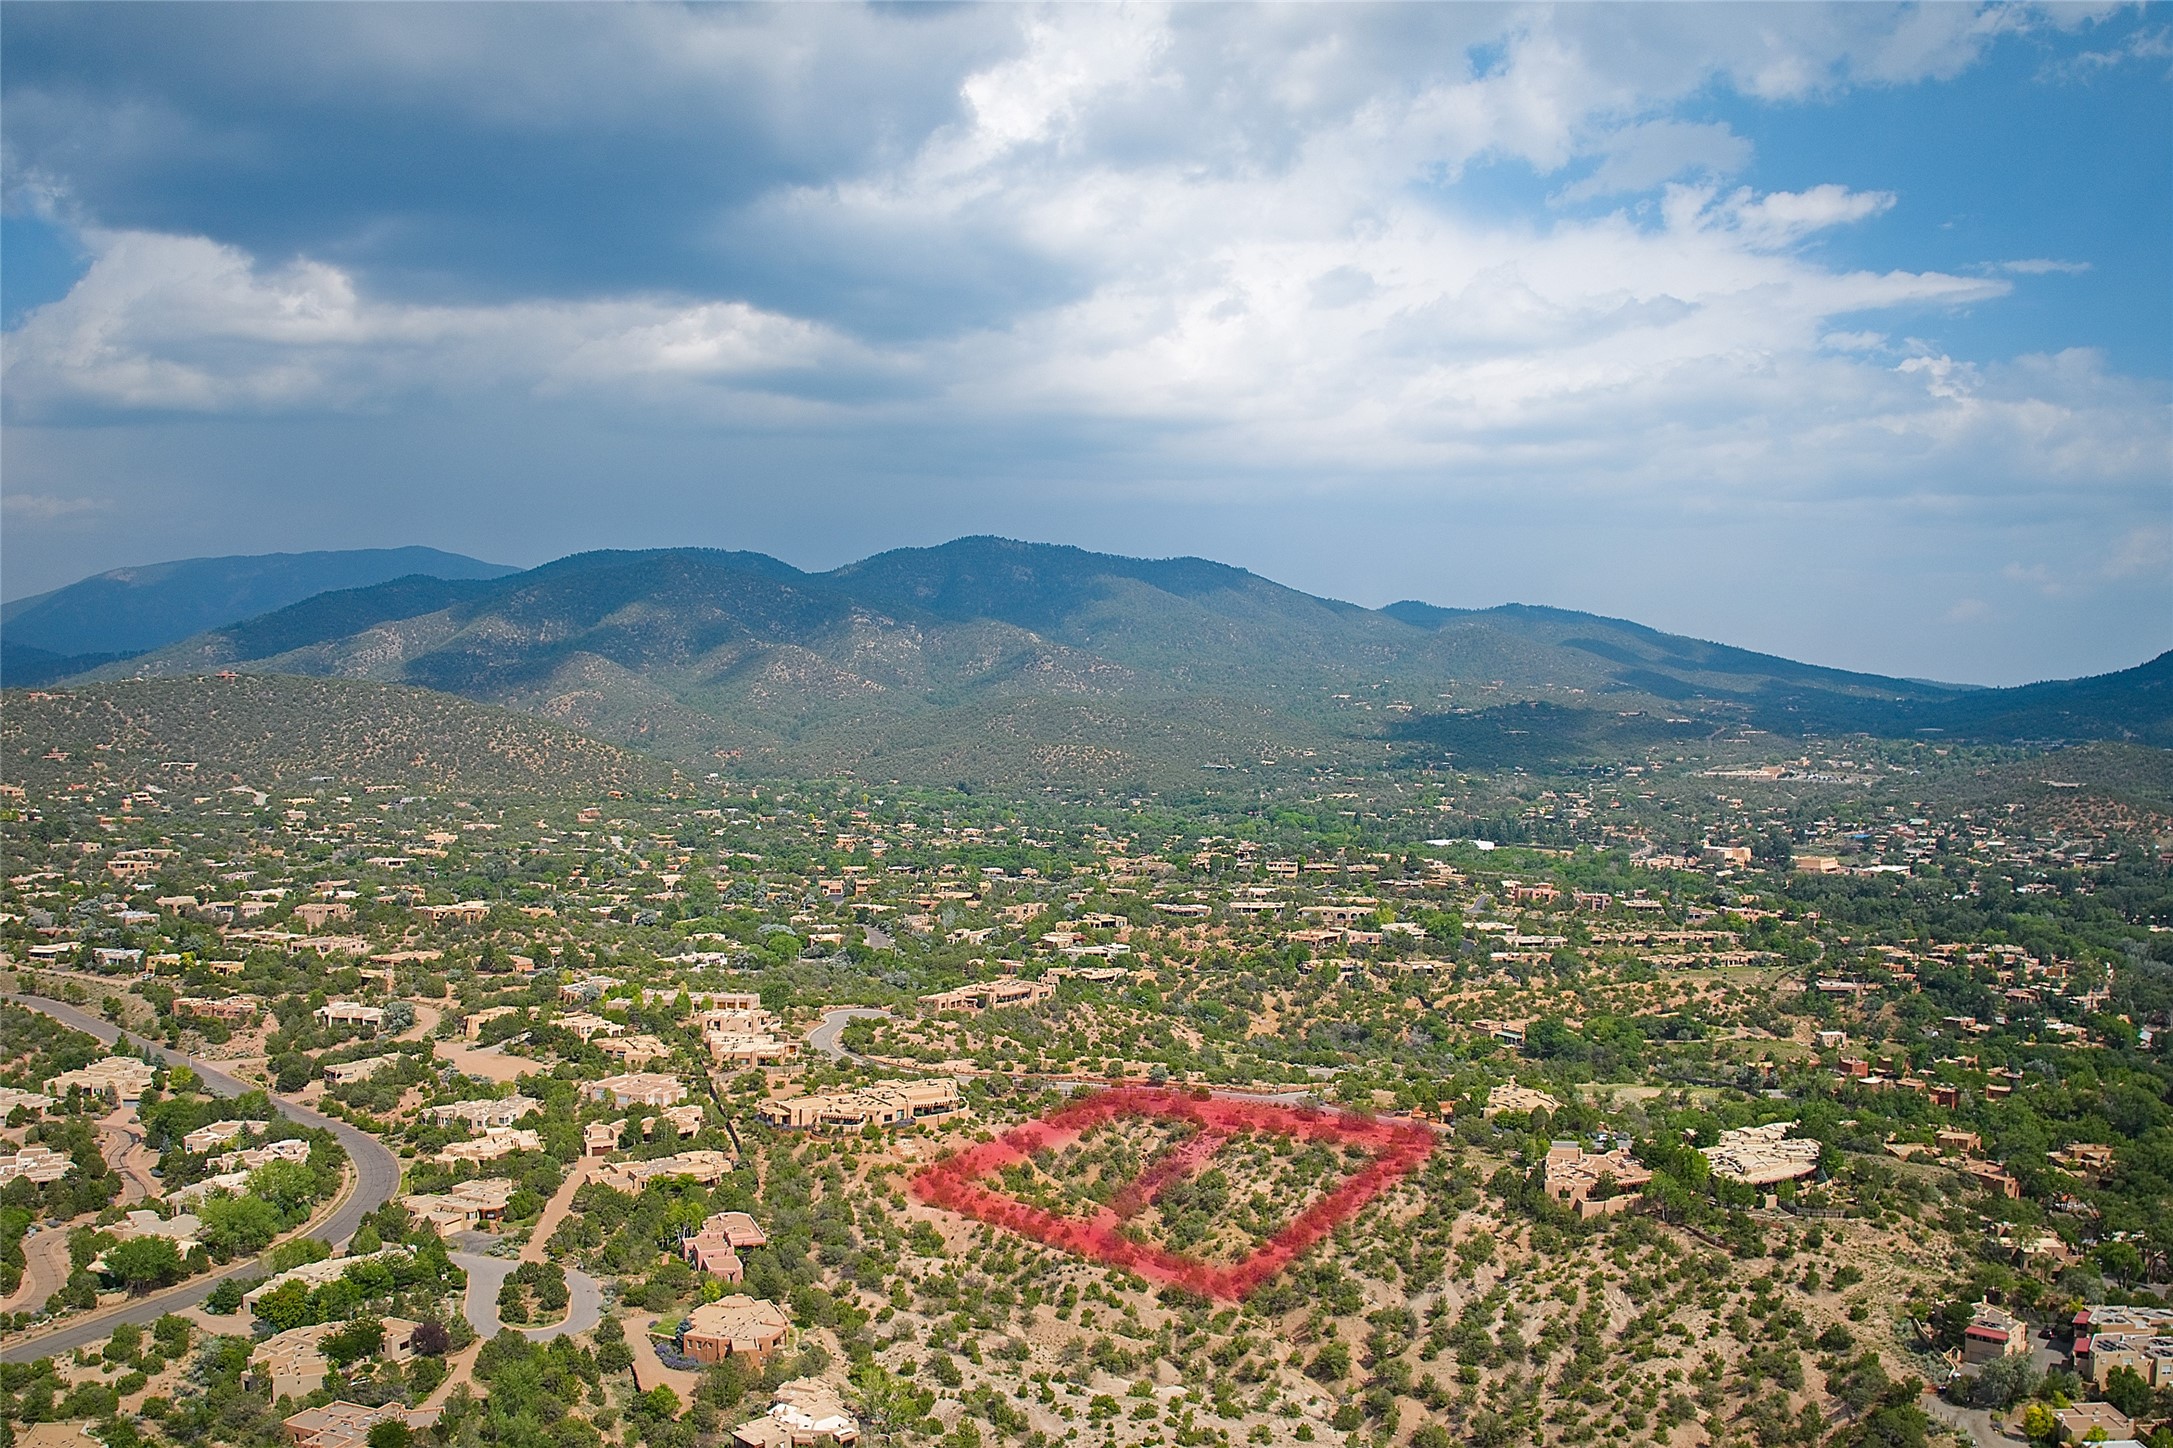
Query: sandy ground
[[488, 1062]]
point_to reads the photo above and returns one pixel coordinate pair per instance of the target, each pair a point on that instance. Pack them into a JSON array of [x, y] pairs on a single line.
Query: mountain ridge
[[1002, 656], [127, 611]]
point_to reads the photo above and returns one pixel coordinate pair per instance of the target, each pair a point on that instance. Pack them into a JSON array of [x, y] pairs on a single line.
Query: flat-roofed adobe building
[[1762, 1155], [735, 1326], [1575, 1178], [124, 1078], [637, 1088], [350, 1013], [890, 1103], [808, 1413]]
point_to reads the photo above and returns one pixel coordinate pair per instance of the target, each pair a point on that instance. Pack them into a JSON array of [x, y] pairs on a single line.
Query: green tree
[[359, 1339], [391, 1433], [2126, 1390], [143, 1263], [237, 1226]]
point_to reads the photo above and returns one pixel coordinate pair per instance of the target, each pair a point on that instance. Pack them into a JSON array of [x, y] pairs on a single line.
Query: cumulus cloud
[[1181, 252]]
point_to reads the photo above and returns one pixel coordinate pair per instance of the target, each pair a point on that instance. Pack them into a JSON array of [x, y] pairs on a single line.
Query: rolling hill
[[130, 610], [1001, 662]]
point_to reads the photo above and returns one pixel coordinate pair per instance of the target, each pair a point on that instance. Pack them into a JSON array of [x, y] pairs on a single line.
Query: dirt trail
[[555, 1212]]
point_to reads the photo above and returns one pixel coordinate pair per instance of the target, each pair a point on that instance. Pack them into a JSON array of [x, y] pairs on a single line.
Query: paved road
[[377, 1177], [824, 1038], [45, 1270], [123, 1147], [585, 1306]]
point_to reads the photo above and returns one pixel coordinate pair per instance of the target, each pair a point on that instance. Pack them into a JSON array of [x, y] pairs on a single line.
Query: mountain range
[[128, 611], [987, 660]]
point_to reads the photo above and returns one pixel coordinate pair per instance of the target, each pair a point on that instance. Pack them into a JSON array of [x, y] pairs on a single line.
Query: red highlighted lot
[[1369, 1157]]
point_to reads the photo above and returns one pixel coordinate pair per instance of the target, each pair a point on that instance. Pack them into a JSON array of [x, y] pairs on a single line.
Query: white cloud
[[2151, 45], [1780, 218], [2145, 552], [46, 508], [182, 324], [2043, 266], [1264, 267], [1640, 157]]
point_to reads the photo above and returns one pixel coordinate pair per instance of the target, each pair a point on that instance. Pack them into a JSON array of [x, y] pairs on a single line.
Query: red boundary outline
[[955, 1183]]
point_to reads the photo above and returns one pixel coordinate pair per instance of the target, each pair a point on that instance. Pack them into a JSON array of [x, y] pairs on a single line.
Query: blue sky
[[1843, 332]]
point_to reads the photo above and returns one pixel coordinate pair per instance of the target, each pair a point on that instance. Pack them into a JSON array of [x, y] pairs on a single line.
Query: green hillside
[[276, 730]]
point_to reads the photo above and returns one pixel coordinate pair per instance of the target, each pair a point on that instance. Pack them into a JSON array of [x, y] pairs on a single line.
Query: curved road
[[585, 1307], [824, 1037], [377, 1177]]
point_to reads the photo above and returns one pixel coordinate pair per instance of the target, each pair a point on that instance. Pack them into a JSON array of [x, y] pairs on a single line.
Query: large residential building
[[633, 1052], [1574, 1175], [482, 1115], [637, 1088], [217, 1133], [706, 1167], [735, 1326], [886, 1104], [1762, 1155], [122, 1077], [37, 1164], [350, 1013], [472, 1026], [991, 995], [496, 1141], [13, 1100], [715, 1248], [464, 1205], [807, 1413], [340, 1425]]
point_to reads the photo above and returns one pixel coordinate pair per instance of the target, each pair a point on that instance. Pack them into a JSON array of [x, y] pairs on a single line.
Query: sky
[[1844, 332]]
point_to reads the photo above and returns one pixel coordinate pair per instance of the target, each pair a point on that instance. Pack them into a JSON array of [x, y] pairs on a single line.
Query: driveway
[[584, 1309], [45, 1270], [824, 1038], [376, 1178]]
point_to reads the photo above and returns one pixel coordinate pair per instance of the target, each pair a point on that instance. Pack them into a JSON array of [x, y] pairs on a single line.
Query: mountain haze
[[129, 610], [991, 660]]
